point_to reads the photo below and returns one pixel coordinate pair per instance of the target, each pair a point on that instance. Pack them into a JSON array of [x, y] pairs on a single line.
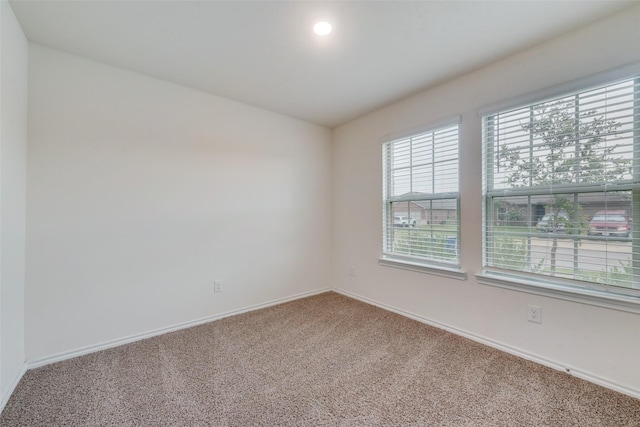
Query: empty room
[[345, 213]]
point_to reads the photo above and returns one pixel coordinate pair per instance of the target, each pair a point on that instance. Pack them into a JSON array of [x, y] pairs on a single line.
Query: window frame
[[408, 262], [620, 299]]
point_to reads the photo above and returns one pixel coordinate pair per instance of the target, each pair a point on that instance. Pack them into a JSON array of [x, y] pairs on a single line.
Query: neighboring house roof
[[612, 197], [447, 204]]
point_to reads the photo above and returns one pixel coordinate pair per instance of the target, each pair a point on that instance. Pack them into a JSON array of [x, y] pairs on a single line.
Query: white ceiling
[[265, 54]]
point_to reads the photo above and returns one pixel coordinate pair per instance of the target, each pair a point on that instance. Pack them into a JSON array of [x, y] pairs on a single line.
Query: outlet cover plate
[[534, 313]]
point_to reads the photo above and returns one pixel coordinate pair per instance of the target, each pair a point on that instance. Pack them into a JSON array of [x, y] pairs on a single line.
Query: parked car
[[403, 221], [610, 223], [550, 223]]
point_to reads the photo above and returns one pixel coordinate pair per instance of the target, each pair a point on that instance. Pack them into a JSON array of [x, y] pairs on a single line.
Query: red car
[[610, 223]]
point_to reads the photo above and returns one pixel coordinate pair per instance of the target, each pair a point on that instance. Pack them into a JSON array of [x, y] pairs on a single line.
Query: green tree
[[570, 150]]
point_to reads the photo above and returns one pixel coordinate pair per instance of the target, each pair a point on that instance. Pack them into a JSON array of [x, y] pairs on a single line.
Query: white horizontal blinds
[[421, 196], [561, 185], [426, 163]]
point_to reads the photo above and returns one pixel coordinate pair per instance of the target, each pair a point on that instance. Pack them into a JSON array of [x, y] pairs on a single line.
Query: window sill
[[450, 272], [595, 297]]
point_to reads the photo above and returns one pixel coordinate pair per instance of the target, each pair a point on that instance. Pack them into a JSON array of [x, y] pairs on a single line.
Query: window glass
[[561, 188], [421, 198]]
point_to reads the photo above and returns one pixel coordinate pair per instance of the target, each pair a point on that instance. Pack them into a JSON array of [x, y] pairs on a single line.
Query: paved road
[[591, 255]]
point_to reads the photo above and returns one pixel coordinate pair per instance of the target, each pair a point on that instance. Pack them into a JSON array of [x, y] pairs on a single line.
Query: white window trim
[[581, 84], [414, 264], [436, 270], [431, 127], [547, 286]]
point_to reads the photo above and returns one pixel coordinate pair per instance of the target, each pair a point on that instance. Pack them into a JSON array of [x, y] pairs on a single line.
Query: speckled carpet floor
[[326, 360]]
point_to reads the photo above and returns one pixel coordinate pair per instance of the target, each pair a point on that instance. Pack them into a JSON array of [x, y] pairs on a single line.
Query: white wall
[[13, 156], [141, 193], [596, 342]]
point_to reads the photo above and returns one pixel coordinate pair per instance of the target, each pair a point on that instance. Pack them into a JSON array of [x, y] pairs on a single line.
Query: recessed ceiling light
[[322, 28]]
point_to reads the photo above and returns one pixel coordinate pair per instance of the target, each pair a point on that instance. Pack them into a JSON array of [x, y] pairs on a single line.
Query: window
[[562, 190], [421, 198]]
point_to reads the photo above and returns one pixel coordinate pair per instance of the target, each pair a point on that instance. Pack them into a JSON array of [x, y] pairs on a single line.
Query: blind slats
[[421, 206], [562, 188]]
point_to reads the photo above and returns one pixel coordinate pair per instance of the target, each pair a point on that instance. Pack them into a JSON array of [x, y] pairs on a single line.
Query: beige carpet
[[326, 360]]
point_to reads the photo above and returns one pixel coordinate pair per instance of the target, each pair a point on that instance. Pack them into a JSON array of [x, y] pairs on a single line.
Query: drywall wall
[[141, 193], [598, 343], [13, 175]]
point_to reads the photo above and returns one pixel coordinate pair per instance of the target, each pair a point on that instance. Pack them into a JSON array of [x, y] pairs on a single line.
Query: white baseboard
[[497, 345], [36, 363], [14, 384]]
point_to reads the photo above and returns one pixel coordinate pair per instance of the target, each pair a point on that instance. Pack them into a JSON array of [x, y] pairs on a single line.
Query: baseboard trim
[[497, 345], [36, 363], [12, 388]]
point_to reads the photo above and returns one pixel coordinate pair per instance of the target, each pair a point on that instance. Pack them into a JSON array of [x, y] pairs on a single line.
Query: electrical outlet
[[217, 286], [534, 314], [352, 271]]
